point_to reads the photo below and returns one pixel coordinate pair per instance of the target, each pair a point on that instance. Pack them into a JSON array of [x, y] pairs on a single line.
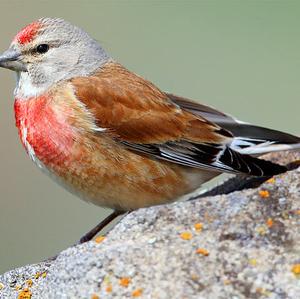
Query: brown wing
[[144, 119], [137, 111]]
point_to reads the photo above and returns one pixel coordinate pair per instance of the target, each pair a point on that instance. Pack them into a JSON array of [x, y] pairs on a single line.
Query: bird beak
[[10, 59]]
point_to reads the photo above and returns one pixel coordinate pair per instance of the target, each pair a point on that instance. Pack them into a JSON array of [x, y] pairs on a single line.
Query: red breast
[[43, 133]]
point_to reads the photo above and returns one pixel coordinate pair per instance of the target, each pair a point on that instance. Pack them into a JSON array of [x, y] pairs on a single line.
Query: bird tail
[[254, 140], [249, 165]]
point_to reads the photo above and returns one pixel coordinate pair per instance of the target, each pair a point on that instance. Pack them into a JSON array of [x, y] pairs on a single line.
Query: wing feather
[[248, 139], [145, 120]]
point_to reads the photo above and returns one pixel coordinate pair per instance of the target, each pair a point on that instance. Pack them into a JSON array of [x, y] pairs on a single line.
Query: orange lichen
[[109, 288], [297, 212], [202, 251], [186, 236], [37, 275], [270, 222], [271, 181], [194, 277], [264, 193], [124, 281], [99, 239], [253, 262], [198, 227], [296, 269], [24, 294], [29, 282], [94, 296], [137, 293], [18, 287]]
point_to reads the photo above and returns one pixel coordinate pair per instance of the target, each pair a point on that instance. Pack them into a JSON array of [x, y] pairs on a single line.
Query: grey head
[[50, 50]]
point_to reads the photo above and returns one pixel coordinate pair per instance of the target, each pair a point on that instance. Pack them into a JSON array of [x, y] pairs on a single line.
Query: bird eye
[[43, 48]]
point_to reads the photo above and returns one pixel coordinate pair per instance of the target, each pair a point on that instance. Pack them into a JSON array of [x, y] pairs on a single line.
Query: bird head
[[49, 50]]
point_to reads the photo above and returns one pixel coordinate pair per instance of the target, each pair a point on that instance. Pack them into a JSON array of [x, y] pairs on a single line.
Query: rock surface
[[244, 244]]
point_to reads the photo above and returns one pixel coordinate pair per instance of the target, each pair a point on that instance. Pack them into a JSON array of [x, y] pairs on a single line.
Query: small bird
[[114, 138]]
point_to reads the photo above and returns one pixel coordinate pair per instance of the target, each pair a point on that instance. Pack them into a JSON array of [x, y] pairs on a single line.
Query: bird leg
[[93, 232]]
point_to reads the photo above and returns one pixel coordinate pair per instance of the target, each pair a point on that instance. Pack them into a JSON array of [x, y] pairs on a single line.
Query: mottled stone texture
[[248, 247]]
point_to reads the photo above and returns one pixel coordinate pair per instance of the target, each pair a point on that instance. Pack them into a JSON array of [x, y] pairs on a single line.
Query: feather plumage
[[164, 126]]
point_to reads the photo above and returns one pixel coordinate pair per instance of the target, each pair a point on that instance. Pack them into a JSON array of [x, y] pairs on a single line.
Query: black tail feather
[[250, 165]]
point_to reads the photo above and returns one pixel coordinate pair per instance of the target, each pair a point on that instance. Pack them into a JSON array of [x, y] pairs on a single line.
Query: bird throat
[[26, 89]]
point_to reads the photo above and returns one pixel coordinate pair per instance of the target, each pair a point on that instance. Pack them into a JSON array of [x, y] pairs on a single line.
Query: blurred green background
[[239, 56]]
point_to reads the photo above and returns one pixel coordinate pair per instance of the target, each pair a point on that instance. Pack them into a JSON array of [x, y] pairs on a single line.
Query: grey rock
[[252, 243]]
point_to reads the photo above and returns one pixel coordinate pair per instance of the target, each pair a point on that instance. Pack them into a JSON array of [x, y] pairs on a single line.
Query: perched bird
[[114, 138]]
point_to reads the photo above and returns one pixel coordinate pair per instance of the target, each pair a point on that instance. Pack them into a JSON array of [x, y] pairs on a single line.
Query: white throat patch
[[25, 89]]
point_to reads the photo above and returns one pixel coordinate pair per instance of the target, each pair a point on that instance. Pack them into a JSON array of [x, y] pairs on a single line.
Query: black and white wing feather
[[214, 157], [247, 139]]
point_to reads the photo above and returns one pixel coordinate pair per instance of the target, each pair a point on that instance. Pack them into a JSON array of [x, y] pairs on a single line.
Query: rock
[[244, 244]]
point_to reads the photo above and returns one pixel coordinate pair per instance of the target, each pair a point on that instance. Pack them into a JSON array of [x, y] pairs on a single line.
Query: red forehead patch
[[27, 34]]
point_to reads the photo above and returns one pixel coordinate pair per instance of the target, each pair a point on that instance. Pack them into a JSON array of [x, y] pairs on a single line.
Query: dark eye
[[43, 48]]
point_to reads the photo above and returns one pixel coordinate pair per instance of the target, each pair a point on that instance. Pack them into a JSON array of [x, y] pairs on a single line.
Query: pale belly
[[111, 176]]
